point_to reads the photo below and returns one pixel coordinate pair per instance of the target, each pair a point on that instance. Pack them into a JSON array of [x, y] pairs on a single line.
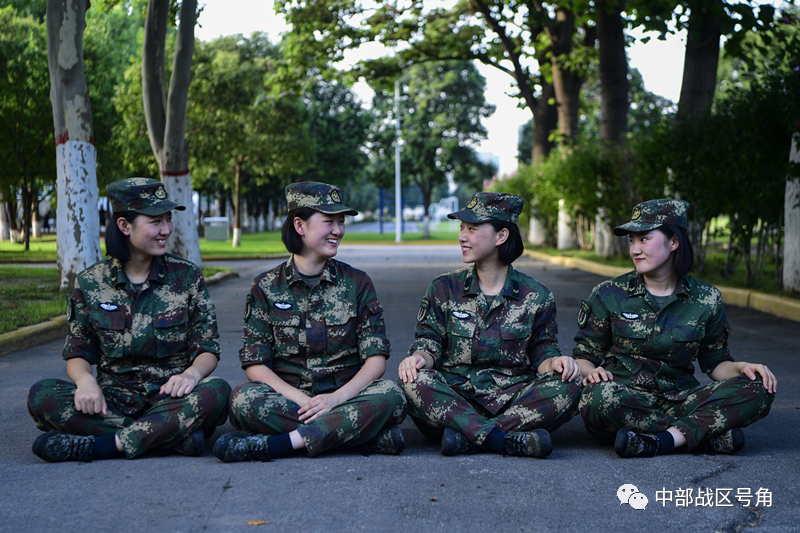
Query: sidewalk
[[575, 489]]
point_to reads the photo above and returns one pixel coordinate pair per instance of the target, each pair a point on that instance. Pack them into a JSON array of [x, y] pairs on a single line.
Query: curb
[[779, 306], [30, 336]]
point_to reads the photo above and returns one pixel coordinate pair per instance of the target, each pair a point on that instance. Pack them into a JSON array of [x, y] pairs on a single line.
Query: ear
[[124, 226], [299, 226], [502, 236], [674, 243]]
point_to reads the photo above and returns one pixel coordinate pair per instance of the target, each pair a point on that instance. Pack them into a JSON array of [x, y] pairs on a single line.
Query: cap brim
[[468, 216], [634, 227], [161, 208], [335, 209]]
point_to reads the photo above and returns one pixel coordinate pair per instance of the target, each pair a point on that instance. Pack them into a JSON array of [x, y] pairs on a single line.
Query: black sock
[[494, 440], [105, 447], [279, 446], [666, 443]]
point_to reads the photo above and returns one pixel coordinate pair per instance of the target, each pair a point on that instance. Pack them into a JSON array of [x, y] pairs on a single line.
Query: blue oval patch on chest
[[460, 315], [630, 316], [283, 306], [109, 307]]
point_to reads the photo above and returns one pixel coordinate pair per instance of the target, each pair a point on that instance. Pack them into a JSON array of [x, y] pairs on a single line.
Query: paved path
[[572, 490]]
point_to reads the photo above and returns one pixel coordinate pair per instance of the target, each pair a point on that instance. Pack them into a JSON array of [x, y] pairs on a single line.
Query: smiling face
[[321, 234], [480, 241], [651, 252], [147, 236]]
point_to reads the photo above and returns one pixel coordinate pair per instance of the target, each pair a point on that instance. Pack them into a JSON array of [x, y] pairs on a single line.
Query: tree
[[165, 113], [238, 127], [78, 240], [339, 129], [26, 132], [441, 108], [507, 36]]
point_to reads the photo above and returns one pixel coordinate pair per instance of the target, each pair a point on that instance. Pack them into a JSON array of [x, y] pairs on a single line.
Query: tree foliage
[[26, 120], [441, 107]]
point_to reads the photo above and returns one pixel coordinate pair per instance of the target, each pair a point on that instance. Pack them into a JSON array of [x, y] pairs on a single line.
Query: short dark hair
[[291, 239], [513, 247], [116, 241], [683, 257]]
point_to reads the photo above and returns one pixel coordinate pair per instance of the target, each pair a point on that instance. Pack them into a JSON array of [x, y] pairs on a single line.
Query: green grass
[[29, 295], [253, 244]]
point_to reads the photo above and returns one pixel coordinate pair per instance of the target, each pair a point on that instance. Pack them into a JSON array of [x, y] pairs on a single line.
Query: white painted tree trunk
[[5, 234], [791, 247], [604, 238], [426, 227], [566, 237], [537, 235], [78, 222], [184, 239], [237, 237]]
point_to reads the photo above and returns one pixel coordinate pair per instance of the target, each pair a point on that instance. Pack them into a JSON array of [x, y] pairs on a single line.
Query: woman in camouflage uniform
[[314, 348], [639, 334], [145, 319], [485, 370]]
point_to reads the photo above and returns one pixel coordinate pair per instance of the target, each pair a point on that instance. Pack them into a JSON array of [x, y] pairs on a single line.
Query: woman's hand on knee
[[597, 375], [566, 366], [89, 399], [753, 370], [407, 371], [318, 406], [180, 385]]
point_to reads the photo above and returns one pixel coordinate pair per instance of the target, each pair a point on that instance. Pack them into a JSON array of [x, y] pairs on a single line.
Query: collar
[[636, 286], [158, 272], [329, 272], [510, 288]]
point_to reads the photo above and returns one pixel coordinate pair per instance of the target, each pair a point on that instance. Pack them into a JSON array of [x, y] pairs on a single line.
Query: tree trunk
[[791, 247], [166, 115], [5, 235], [566, 85], [566, 235], [700, 61], [237, 206], [613, 71], [77, 217]]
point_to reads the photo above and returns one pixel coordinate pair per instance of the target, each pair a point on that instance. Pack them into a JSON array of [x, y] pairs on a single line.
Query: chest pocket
[[685, 345], [341, 329], [285, 329], [514, 343], [170, 329], [110, 330], [460, 332], [630, 336]]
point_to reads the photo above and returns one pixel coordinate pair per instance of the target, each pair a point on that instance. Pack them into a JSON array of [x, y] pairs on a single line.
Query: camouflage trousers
[[256, 407], [165, 423], [547, 403], [706, 412]]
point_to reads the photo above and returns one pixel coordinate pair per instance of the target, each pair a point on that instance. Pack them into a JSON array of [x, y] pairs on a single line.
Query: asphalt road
[[575, 489]]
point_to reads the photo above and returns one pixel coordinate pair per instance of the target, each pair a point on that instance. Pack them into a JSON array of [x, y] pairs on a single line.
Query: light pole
[[398, 190]]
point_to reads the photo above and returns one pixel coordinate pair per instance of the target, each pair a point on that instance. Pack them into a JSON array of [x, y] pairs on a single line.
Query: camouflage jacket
[[487, 353], [314, 339], [139, 341], [622, 328]]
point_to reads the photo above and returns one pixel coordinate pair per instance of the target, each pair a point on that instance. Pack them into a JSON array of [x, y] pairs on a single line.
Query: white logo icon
[[630, 494]]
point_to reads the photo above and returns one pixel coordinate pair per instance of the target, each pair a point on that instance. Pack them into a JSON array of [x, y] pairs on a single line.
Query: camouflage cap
[[141, 195], [655, 213], [486, 206], [317, 196]]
